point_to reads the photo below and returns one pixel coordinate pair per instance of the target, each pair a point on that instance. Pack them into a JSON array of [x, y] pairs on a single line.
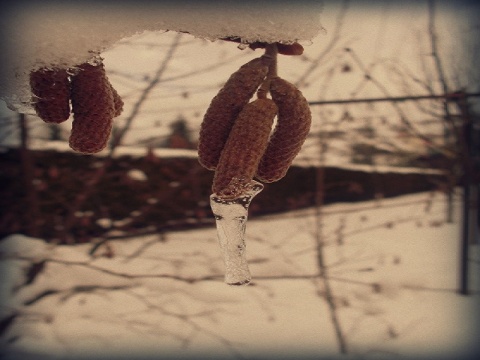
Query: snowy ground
[[392, 267]]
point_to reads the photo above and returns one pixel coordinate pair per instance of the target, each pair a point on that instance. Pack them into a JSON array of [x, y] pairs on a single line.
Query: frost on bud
[[293, 126], [245, 146], [94, 105], [51, 94], [225, 107]]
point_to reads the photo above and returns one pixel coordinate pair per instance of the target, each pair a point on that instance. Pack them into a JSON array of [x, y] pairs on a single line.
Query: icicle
[[231, 216]]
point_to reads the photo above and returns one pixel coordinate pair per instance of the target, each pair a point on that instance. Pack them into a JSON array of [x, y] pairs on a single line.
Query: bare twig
[[333, 41], [320, 254], [32, 209], [452, 129], [117, 139], [403, 116]]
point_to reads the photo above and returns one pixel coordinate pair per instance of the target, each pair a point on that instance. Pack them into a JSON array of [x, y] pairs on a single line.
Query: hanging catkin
[[293, 125], [117, 101], [225, 107], [242, 152], [94, 105], [51, 94]]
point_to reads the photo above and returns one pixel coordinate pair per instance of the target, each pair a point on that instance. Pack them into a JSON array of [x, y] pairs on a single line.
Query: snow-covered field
[[392, 268]]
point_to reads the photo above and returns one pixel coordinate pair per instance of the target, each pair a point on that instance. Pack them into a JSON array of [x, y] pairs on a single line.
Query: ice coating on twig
[[231, 217]]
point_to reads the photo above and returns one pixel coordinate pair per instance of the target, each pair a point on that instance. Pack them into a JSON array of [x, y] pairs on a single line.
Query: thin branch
[[440, 71], [333, 41], [403, 117], [32, 211], [212, 67], [320, 254], [388, 99], [191, 280], [117, 139], [434, 47], [188, 319]]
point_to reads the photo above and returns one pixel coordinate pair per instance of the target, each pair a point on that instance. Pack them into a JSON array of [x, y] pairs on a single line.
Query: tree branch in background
[[440, 71], [319, 249], [89, 188], [32, 209], [448, 121], [403, 116], [333, 41], [118, 137]]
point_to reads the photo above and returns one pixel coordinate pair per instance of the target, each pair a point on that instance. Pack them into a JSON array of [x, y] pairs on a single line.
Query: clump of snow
[[105, 223], [137, 175], [25, 246], [56, 34]]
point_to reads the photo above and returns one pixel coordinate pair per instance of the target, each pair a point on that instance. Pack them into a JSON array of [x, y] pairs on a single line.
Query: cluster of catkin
[[94, 103], [236, 138]]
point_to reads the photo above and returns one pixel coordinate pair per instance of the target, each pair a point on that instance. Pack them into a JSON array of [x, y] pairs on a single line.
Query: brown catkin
[[225, 107], [293, 125], [117, 101], [242, 152], [51, 94], [94, 107]]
